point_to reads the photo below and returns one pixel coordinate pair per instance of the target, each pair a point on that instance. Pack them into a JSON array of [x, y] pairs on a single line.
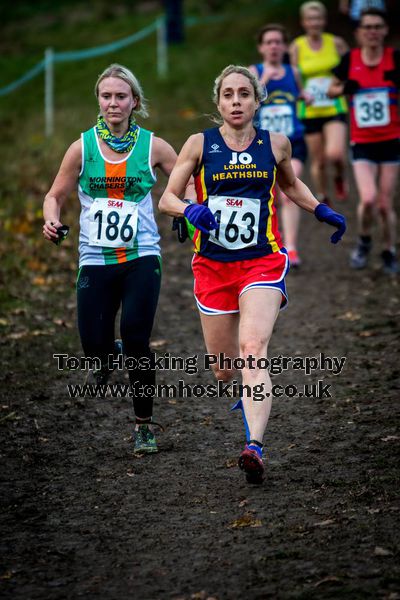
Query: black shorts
[[316, 125], [377, 152], [299, 150]]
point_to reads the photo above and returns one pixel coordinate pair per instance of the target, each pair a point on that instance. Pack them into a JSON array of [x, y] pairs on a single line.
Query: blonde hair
[[260, 93], [116, 70], [313, 5]]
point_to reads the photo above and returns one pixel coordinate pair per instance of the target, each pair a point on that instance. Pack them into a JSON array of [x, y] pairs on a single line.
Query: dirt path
[[83, 518]]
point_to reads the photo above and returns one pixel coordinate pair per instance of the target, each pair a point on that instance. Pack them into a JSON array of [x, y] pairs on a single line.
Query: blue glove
[[201, 217], [327, 215]]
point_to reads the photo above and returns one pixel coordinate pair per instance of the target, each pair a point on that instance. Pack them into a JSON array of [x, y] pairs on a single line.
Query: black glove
[[179, 225], [393, 75], [62, 232], [351, 86]]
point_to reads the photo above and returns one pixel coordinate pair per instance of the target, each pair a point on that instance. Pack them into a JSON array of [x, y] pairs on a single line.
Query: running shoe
[[97, 376], [341, 189], [251, 463], [101, 376], [390, 264], [294, 258], [145, 440], [118, 347], [359, 256]]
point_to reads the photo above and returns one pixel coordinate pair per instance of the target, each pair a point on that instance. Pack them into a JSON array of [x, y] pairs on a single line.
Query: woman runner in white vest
[[112, 165]]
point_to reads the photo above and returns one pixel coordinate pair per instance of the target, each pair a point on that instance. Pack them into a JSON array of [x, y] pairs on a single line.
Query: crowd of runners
[[225, 190]]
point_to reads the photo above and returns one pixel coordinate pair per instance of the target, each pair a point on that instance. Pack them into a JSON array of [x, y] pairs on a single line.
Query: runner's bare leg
[[259, 309]]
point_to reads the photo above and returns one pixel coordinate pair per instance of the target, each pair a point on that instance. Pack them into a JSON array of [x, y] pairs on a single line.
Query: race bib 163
[[238, 220]]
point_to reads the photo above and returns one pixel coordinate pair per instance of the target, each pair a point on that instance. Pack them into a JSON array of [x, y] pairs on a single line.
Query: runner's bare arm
[[293, 187], [187, 163], [253, 70], [164, 157], [294, 55], [341, 46], [336, 88], [64, 183], [297, 77], [303, 94], [265, 75]]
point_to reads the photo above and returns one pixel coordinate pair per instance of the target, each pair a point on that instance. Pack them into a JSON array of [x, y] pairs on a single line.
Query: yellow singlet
[[315, 69]]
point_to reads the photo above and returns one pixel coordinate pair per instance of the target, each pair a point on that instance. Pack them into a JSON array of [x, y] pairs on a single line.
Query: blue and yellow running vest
[[239, 189]]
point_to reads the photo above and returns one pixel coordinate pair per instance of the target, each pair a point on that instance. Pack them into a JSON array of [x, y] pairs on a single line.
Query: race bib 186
[[238, 220], [371, 108], [112, 223], [277, 118], [317, 87]]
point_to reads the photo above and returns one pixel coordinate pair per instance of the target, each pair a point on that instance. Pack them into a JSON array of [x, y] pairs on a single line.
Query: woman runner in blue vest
[[240, 263], [277, 114]]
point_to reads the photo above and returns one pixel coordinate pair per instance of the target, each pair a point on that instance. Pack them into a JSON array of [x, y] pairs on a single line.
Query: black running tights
[[101, 290]]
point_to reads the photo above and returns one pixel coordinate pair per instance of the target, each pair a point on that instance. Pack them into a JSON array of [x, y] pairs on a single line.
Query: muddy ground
[[83, 518]]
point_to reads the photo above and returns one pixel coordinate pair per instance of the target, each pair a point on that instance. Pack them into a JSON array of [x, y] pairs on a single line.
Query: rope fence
[[51, 58]]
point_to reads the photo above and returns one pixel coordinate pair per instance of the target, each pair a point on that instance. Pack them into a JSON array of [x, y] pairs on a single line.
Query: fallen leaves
[[188, 114], [24, 333], [202, 595], [379, 551], [12, 416], [62, 323], [39, 280], [349, 316], [17, 335], [247, 520], [20, 226], [18, 311], [324, 523], [37, 265], [158, 343], [329, 579]]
